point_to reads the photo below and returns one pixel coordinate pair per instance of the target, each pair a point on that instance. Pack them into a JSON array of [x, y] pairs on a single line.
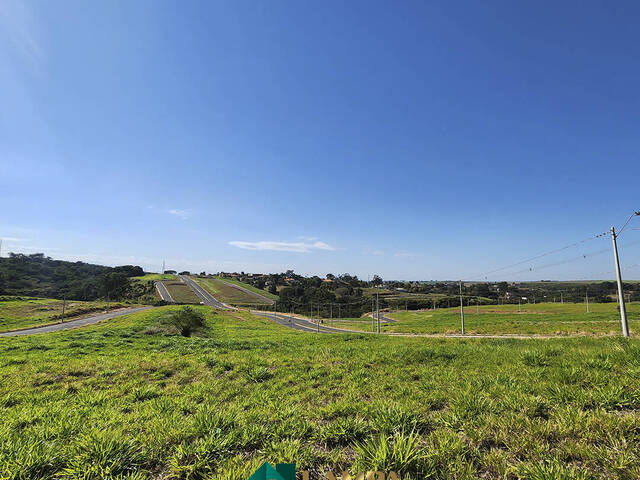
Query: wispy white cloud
[[307, 239], [13, 239], [407, 254], [178, 212], [19, 28], [298, 247]]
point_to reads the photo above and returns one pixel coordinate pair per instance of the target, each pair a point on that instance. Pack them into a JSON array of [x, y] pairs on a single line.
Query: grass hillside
[[120, 400], [23, 312], [154, 277], [259, 291], [181, 293], [229, 294]]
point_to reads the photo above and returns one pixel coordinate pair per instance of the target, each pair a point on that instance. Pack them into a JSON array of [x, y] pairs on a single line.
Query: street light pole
[[623, 310]]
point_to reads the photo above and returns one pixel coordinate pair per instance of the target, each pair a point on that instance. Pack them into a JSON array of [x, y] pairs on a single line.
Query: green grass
[[181, 293], [154, 277], [543, 318], [229, 294], [264, 293], [115, 400], [24, 312]]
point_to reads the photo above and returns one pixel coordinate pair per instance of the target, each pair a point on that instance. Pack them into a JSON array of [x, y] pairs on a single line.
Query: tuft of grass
[[105, 454], [400, 452]]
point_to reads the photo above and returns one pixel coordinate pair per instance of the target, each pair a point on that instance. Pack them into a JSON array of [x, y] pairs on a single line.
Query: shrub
[[186, 321]]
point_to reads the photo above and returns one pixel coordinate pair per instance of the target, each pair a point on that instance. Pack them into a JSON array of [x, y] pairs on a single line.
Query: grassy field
[[23, 312], [543, 318], [264, 293], [181, 293], [228, 294], [154, 277], [115, 400]]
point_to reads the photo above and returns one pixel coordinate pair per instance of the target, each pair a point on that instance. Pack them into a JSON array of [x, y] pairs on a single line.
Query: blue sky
[[416, 140]]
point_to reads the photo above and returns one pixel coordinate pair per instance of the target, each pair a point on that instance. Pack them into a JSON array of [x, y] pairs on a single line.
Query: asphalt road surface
[[301, 324], [164, 293], [202, 294], [81, 322], [304, 325]]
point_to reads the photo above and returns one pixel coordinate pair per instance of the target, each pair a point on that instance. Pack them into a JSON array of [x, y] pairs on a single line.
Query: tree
[[130, 270], [115, 284], [376, 280]]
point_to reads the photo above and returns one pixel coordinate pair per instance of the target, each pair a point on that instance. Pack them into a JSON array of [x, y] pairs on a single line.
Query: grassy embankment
[[544, 318], [264, 293], [111, 401], [154, 277], [180, 292], [23, 312], [231, 295]]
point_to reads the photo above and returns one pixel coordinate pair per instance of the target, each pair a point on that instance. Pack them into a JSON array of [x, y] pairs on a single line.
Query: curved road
[[305, 325], [81, 322], [205, 296]]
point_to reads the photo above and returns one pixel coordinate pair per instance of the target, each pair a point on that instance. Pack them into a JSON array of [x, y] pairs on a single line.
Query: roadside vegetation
[[259, 291], [230, 294], [181, 293], [132, 398], [23, 312], [154, 277]]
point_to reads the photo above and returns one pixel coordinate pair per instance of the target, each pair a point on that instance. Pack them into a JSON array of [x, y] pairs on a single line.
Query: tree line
[[40, 276]]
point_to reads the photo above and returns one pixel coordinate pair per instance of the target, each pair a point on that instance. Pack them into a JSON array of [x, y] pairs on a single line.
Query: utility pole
[[373, 316], [163, 267], [378, 311], [623, 310], [331, 310], [107, 303], [311, 310], [461, 308], [561, 299], [587, 300], [64, 304], [519, 305]]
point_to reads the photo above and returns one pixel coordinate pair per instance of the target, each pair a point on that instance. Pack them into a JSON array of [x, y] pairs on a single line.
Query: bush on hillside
[[186, 321]]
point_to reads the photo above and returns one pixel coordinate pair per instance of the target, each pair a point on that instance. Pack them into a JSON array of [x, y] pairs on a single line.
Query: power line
[[634, 214], [551, 252]]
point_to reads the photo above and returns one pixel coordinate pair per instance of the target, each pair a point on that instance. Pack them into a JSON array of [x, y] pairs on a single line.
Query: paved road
[[246, 290], [301, 324], [205, 296], [304, 325], [164, 293], [81, 322]]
